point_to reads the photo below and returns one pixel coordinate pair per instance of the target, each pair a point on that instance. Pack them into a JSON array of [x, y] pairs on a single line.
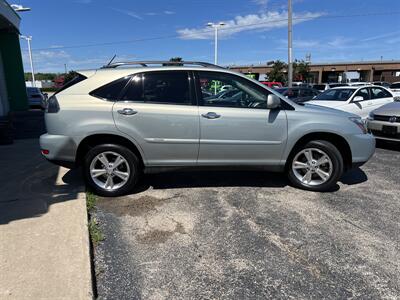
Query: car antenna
[[109, 63]]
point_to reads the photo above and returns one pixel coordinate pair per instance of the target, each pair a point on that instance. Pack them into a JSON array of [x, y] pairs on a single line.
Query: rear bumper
[[60, 148]]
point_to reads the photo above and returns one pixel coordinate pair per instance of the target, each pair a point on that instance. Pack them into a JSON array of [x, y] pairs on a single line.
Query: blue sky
[[255, 31]]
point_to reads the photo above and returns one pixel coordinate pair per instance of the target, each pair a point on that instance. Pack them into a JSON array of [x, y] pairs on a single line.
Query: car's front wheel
[[111, 170], [316, 166]]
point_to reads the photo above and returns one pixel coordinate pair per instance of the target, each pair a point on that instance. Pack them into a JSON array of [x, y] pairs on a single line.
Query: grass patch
[[90, 201], [95, 232], [96, 235]]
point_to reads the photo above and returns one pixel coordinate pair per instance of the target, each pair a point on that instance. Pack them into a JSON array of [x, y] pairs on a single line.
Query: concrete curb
[[45, 247]]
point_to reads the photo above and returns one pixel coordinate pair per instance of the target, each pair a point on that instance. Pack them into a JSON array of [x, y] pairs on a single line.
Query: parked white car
[[354, 99], [358, 83]]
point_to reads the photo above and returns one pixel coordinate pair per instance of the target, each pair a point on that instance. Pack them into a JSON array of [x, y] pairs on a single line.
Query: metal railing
[[162, 63]]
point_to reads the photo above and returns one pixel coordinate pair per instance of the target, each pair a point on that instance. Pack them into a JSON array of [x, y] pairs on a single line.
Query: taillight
[[52, 105]]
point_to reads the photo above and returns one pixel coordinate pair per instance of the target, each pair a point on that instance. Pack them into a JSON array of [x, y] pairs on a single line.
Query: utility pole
[[290, 46], [28, 39], [65, 68], [216, 26]]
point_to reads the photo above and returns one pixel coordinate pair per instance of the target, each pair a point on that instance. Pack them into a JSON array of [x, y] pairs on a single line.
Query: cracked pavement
[[249, 235]]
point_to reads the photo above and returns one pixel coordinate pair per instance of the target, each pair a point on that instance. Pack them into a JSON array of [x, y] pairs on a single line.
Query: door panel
[[242, 136], [379, 97], [167, 134], [361, 108], [157, 111], [236, 128]]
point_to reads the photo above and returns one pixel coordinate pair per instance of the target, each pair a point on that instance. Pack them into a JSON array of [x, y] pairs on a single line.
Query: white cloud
[[261, 22], [169, 12], [128, 13], [54, 60], [83, 1]]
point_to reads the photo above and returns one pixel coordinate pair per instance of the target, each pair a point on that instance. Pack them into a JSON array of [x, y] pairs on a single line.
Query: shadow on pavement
[[354, 176], [32, 184], [28, 124], [387, 145], [236, 178]]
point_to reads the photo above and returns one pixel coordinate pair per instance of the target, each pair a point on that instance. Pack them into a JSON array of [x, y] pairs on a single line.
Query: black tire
[[337, 166], [131, 159]]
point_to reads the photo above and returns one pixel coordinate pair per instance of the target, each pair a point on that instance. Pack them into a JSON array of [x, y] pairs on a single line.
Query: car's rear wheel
[[111, 170], [316, 166]]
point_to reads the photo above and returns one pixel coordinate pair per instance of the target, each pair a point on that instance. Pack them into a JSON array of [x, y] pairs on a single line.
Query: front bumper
[[376, 127], [362, 148], [60, 148]]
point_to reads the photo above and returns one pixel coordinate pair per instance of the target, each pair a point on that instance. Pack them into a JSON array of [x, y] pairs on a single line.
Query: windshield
[[319, 86], [281, 90], [336, 95], [332, 85]]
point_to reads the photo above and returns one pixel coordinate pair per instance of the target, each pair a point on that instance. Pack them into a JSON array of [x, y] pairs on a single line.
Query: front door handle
[[127, 111], [211, 115]]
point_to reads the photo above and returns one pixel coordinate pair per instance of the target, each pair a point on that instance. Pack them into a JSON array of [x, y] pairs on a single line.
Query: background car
[[384, 122], [298, 94], [35, 97], [382, 83], [326, 86], [272, 84], [357, 100], [395, 88], [359, 83]]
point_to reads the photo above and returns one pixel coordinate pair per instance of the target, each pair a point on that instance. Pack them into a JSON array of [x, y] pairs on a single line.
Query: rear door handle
[[127, 111], [211, 115]]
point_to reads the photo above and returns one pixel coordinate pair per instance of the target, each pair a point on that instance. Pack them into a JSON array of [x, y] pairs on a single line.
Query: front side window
[[241, 93], [165, 87], [377, 93], [363, 93], [335, 95]]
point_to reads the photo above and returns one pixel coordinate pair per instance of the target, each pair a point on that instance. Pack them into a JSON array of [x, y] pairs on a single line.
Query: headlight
[[360, 123], [370, 116]]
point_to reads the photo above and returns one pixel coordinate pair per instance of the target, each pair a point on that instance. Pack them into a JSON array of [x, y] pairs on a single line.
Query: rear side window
[[78, 78], [165, 87], [111, 91], [377, 93]]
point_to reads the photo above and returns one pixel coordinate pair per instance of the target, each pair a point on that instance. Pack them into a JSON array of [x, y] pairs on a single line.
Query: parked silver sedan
[[384, 122]]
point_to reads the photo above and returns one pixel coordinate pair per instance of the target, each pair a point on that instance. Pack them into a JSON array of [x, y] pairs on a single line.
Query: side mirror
[[358, 98], [273, 101]]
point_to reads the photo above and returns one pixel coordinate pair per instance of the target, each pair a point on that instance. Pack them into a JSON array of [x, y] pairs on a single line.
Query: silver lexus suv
[[126, 118]]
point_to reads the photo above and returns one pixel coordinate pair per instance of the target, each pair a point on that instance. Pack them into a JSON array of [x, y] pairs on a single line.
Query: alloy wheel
[[110, 170], [312, 166]]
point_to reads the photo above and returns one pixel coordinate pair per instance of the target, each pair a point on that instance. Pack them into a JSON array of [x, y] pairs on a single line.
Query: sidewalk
[[44, 244]]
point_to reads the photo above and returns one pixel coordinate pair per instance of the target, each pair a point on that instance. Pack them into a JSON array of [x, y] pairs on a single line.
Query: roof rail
[[160, 62]]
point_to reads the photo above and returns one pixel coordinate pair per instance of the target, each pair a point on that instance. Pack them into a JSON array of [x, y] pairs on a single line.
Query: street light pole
[[216, 26], [28, 39], [290, 46]]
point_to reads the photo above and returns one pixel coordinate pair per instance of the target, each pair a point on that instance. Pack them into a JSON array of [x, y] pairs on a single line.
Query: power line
[[209, 31]]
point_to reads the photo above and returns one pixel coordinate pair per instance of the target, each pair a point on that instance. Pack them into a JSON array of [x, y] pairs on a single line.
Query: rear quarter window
[[111, 91]]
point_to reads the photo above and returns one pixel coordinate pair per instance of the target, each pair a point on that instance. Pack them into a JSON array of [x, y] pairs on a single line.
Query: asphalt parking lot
[[242, 235]]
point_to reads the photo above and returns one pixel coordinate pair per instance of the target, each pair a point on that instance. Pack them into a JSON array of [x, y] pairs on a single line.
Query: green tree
[[278, 71], [175, 61], [301, 70], [69, 76]]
